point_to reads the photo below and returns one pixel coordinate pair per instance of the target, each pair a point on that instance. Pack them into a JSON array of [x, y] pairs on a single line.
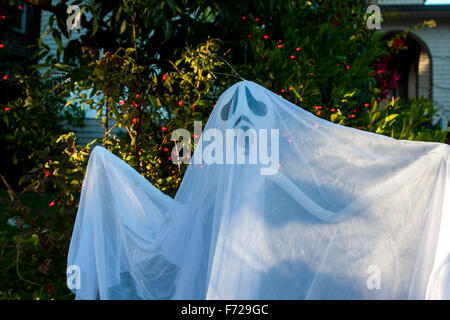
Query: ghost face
[[244, 111]]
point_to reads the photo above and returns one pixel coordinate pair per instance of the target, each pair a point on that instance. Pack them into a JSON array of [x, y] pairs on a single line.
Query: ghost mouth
[[243, 124], [243, 128], [241, 120]]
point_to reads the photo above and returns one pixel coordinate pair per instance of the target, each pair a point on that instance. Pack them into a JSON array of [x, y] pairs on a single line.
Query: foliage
[[43, 231], [39, 222], [325, 59], [315, 55], [29, 123], [146, 108], [408, 120]]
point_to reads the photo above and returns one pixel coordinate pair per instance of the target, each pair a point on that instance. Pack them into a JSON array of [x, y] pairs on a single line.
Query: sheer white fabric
[[348, 215]]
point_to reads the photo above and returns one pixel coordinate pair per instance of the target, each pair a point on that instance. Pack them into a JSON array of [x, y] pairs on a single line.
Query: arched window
[[413, 67]]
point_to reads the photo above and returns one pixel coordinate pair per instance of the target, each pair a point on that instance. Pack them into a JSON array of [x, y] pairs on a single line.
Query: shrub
[[162, 69]]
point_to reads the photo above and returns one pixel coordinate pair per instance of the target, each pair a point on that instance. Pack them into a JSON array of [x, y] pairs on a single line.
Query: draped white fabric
[[348, 215]]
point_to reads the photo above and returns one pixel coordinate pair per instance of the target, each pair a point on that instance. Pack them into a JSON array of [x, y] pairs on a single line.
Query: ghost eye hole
[[226, 111], [257, 107]]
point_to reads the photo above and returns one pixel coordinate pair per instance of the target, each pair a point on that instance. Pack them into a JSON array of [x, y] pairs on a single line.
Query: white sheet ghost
[[347, 215]]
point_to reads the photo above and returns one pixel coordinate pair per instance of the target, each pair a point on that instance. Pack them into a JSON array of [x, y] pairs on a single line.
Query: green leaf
[[350, 94], [123, 26], [47, 32], [95, 26], [70, 102], [57, 37], [334, 117], [390, 118]]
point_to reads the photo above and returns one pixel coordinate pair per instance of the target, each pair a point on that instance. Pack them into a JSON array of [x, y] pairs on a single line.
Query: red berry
[[51, 204]]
